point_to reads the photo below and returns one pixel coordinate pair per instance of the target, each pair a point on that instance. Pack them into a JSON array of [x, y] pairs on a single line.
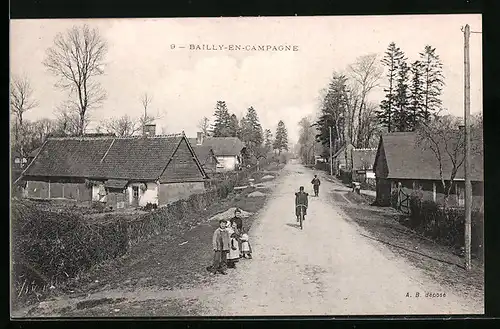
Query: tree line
[[412, 95], [258, 141], [76, 59], [411, 103]]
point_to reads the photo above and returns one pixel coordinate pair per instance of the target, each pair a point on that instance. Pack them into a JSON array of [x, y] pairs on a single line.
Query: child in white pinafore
[[245, 247], [234, 250]]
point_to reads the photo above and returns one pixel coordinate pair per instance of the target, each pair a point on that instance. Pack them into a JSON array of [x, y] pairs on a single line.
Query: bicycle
[[301, 216]]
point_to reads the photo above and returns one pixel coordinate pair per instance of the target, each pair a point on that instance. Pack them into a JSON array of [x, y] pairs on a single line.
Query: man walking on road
[[316, 183]]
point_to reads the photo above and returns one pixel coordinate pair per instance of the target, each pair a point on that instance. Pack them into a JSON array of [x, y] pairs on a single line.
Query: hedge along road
[[328, 268]]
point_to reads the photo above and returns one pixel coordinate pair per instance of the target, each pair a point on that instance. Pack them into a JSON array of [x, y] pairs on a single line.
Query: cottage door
[[135, 196]]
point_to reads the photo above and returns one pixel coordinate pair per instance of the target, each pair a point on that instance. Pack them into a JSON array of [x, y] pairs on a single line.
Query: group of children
[[229, 244]]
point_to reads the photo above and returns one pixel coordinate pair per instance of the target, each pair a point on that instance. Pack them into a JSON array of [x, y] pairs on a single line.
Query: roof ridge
[[114, 137]]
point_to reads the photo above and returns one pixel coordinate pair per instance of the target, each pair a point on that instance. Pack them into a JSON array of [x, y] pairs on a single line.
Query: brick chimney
[[149, 130], [199, 138]]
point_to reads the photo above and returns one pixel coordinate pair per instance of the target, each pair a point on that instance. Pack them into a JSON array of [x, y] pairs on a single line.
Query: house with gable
[[399, 160], [342, 159], [229, 151], [362, 165], [121, 171], [207, 158]]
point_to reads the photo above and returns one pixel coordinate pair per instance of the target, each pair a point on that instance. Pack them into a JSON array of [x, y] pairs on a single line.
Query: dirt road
[[328, 268]]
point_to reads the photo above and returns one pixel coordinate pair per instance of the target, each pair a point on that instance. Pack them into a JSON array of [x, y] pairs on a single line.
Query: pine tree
[[281, 138], [433, 81], [256, 128], [334, 114], [251, 130], [221, 126], [401, 116], [393, 56], [234, 127], [268, 143], [243, 131], [416, 97]]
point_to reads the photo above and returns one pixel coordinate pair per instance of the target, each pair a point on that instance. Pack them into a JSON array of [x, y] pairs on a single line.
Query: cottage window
[[460, 195], [135, 192]]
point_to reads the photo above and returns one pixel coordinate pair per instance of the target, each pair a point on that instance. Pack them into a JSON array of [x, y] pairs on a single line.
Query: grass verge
[[171, 260]]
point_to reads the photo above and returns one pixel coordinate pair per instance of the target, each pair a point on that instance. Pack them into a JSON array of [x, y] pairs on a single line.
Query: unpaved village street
[[328, 268]]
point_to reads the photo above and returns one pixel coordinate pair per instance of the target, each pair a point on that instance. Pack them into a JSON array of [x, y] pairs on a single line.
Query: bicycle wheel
[[301, 217]]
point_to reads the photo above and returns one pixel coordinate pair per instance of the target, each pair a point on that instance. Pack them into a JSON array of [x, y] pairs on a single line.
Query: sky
[[186, 83]]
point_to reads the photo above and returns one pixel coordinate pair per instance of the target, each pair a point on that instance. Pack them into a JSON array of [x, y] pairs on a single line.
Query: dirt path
[[326, 269], [329, 268]]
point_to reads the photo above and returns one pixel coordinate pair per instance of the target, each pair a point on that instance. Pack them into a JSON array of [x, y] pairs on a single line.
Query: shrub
[[50, 247], [150, 206], [447, 227], [98, 206], [346, 176]]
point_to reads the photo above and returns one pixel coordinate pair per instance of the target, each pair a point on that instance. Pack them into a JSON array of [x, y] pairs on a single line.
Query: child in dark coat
[[220, 242]]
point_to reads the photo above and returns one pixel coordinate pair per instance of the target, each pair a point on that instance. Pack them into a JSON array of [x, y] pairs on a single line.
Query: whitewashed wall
[[227, 163], [150, 195], [95, 193]]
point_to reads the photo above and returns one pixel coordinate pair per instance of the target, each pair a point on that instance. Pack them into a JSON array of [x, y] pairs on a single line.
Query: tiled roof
[[116, 183], [224, 146], [104, 157], [362, 158], [407, 160], [203, 153], [192, 141]]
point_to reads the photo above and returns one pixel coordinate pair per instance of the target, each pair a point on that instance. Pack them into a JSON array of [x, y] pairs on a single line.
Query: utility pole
[[314, 153], [331, 152], [468, 187]]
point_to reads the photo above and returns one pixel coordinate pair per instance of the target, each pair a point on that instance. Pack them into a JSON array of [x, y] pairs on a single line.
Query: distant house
[[17, 164], [342, 159], [400, 160], [121, 171], [207, 158], [362, 164], [229, 151]]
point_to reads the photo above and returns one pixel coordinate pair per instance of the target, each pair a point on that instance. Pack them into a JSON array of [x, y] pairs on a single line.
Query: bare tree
[[122, 126], [369, 127], [365, 74], [35, 133], [145, 101], [77, 58], [21, 101], [68, 121], [204, 126], [148, 118], [446, 141]]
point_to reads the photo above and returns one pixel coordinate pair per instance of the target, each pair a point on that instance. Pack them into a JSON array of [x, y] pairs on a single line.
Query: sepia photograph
[[246, 166]]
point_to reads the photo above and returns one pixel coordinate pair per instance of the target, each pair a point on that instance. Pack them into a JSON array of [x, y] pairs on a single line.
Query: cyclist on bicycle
[[316, 183], [301, 201]]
